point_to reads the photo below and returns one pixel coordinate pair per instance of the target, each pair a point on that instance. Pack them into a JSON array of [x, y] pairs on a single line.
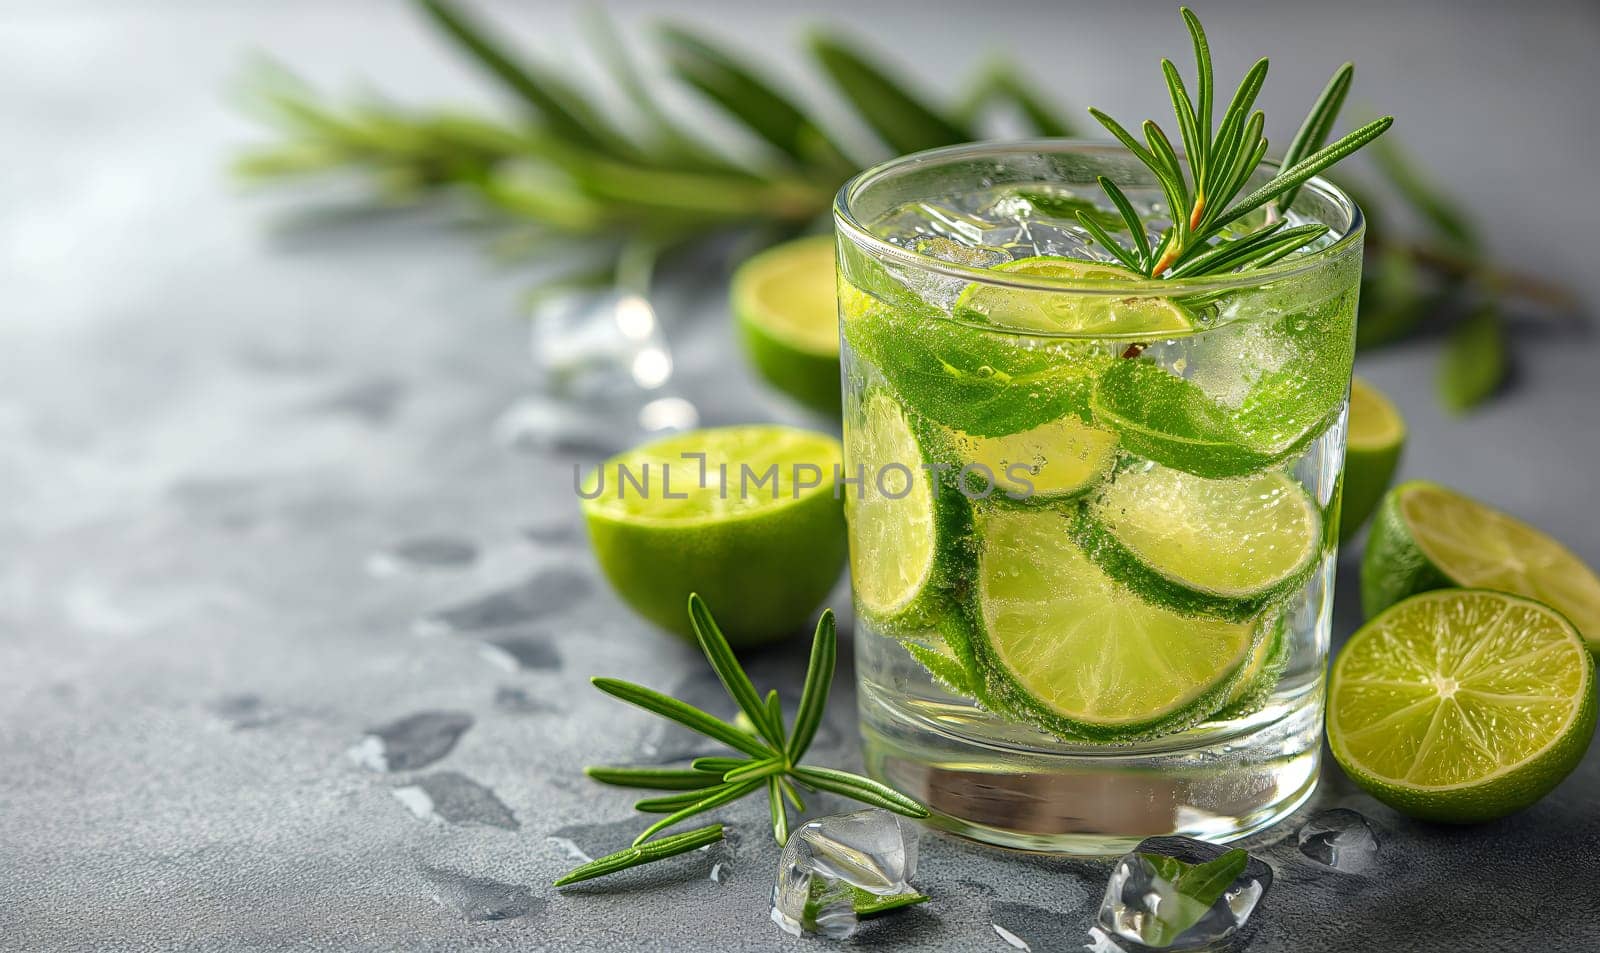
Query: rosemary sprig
[[772, 759], [1220, 162]]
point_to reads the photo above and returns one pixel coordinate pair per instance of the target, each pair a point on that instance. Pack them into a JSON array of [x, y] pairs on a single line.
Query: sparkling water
[[1254, 389]]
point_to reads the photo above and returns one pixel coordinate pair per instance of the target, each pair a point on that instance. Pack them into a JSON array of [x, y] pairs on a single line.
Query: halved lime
[[1376, 434], [900, 523], [1053, 461], [1224, 547], [1083, 657], [1072, 312], [756, 530], [1428, 537], [1462, 705], [1174, 422], [788, 314]]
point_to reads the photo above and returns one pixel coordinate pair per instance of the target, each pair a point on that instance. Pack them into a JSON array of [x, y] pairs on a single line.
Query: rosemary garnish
[[1220, 162], [772, 754]]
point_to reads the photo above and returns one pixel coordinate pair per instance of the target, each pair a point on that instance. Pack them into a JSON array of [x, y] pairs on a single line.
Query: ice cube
[[1340, 838], [1145, 905], [591, 345], [948, 249], [830, 861]]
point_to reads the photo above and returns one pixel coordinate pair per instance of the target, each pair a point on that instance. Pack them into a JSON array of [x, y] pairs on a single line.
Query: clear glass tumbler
[[1093, 516]]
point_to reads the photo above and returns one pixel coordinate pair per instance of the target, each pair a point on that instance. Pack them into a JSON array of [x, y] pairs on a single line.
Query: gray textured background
[[208, 425]]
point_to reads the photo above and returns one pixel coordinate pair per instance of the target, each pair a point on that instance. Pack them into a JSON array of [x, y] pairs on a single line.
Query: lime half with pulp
[[1072, 312], [788, 315], [1223, 547], [1082, 656], [1376, 434], [756, 530], [1462, 705], [1428, 537]]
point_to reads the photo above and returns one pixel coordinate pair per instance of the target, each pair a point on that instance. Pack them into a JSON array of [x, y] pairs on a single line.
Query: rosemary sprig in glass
[[771, 754], [1220, 163]]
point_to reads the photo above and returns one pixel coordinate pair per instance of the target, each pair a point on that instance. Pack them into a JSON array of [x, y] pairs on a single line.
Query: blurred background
[[221, 397]]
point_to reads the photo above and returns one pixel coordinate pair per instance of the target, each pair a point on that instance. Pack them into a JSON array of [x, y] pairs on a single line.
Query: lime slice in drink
[[1069, 312], [757, 532], [1083, 657], [1376, 436], [1223, 547], [1428, 537], [1053, 461], [1267, 662], [1174, 422], [789, 318], [901, 520], [1462, 705]]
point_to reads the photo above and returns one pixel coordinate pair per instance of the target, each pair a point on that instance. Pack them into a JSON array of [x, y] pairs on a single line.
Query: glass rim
[[848, 225]]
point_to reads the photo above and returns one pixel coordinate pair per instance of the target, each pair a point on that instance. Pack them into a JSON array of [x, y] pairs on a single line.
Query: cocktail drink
[[1093, 513]]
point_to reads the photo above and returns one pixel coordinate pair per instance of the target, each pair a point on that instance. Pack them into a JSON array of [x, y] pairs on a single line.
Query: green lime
[[756, 531], [1072, 312], [1053, 461], [1223, 547], [1462, 705], [1377, 434], [1267, 662], [1174, 422], [788, 314], [1428, 537], [901, 518], [1082, 656]]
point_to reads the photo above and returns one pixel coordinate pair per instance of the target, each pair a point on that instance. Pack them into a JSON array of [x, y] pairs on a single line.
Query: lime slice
[[1175, 423], [1428, 537], [900, 523], [1085, 658], [1053, 461], [788, 314], [1223, 547], [1462, 705], [1376, 436], [757, 532], [1267, 662], [1068, 312]]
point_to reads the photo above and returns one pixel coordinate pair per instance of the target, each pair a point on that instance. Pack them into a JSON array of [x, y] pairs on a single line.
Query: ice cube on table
[[594, 344], [1340, 838], [1142, 904], [831, 866]]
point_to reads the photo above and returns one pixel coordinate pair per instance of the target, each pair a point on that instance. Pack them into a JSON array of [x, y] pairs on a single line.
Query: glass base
[[1217, 783]]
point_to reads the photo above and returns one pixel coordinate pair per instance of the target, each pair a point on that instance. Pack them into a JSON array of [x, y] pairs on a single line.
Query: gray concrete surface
[[220, 729]]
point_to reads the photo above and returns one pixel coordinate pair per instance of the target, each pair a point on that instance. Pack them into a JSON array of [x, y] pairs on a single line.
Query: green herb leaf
[[860, 788], [871, 905], [1474, 362], [903, 120], [780, 816], [769, 114], [1197, 888], [720, 654], [659, 779], [561, 108], [1424, 197], [1302, 171], [643, 854], [814, 696], [1318, 125], [718, 797], [684, 714]]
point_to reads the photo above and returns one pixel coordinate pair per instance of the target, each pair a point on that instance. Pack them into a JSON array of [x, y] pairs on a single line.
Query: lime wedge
[[1053, 461], [1083, 657], [1428, 537], [1462, 705], [1376, 436], [1069, 312], [788, 315], [1223, 547], [746, 532], [900, 522]]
